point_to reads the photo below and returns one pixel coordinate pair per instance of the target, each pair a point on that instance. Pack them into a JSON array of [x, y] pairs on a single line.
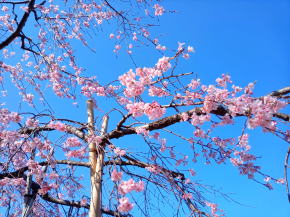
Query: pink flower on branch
[[116, 176], [159, 10], [124, 205], [154, 110], [126, 187]]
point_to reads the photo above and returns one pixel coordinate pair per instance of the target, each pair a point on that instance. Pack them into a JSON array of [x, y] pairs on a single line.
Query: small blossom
[[159, 10], [116, 176], [125, 205]]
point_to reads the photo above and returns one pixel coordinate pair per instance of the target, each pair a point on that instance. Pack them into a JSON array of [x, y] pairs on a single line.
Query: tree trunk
[[96, 159]]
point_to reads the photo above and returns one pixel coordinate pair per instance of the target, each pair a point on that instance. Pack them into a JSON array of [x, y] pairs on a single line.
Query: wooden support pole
[[96, 159], [29, 197]]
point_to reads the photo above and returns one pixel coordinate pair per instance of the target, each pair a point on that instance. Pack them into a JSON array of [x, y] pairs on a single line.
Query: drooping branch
[[20, 26], [286, 167], [133, 162], [47, 197], [76, 204]]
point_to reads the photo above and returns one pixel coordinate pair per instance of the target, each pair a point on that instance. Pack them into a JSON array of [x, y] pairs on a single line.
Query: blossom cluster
[[126, 187], [152, 110], [134, 86]]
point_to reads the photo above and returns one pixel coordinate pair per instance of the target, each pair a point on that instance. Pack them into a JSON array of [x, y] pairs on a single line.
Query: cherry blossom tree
[[46, 158]]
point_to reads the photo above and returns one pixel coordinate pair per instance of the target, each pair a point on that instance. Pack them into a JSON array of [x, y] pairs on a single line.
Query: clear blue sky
[[248, 39]]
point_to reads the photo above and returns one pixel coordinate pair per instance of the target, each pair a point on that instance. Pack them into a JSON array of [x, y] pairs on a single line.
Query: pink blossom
[[4, 9], [72, 142], [243, 140], [142, 130], [185, 56], [111, 36], [156, 135], [134, 36], [118, 47], [84, 201], [190, 49], [159, 10], [136, 109], [15, 117], [28, 98], [224, 80], [154, 110], [184, 116], [156, 91], [30, 122], [130, 185], [199, 119], [194, 84], [187, 196], [163, 64], [116, 176], [163, 145], [119, 152], [139, 186], [160, 47], [281, 181], [58, 126], [53, 175], [125, 205], [192, 172], [199, 133], [155, 169], [80, 153]]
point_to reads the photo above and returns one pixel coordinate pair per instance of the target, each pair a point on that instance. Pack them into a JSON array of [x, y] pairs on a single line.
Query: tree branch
[[286, 165], [170, 120], [282, 116], [20, 172], [68, 128], [134, 162], [78, 204], [280, 92], [20, 26], [164, 122]]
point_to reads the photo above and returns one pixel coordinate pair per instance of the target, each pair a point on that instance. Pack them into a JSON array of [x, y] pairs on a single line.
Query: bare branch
[[78, 204], [286, 165], [282, 116], [280, 92], [69, 129], [19, 173], [21, 25], [15, 2]]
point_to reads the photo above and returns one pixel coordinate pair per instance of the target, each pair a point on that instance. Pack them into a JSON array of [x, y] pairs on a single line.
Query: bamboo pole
[[96, 159]]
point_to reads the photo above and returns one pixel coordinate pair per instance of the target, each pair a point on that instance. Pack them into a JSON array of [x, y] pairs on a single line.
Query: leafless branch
[[286, 166], [20, 26], [19, 173], [133, 162], [280, 92]]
